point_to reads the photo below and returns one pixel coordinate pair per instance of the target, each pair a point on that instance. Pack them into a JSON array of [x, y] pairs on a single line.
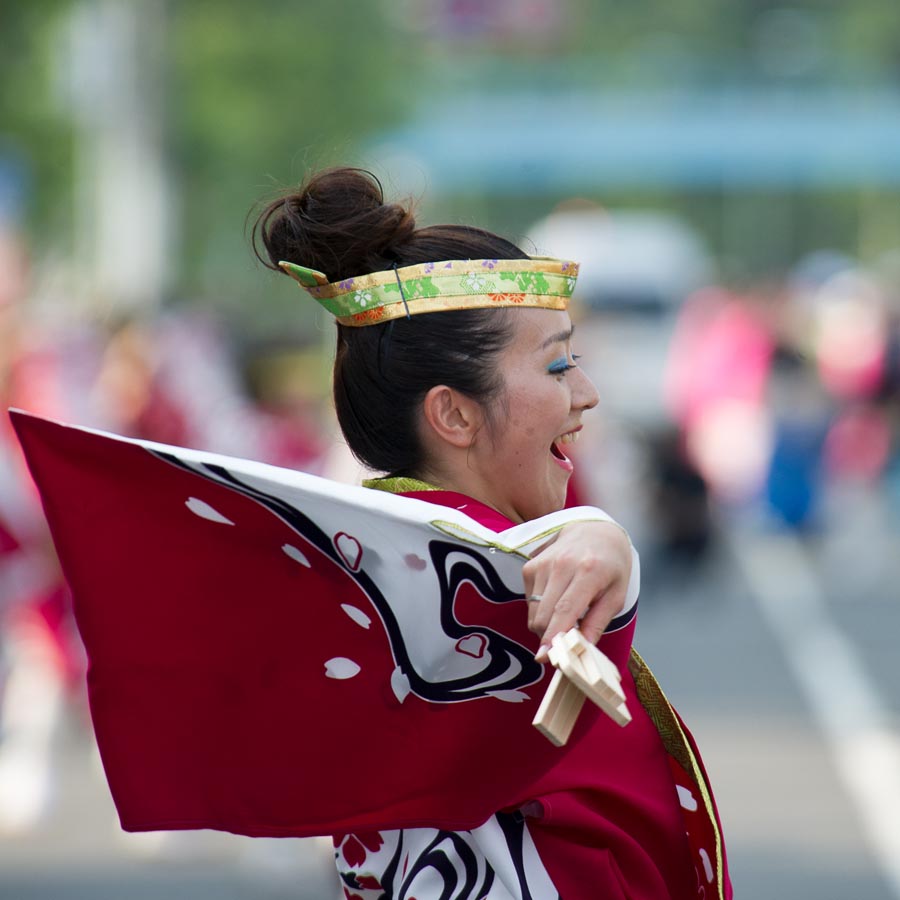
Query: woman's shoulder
[[421, 490]]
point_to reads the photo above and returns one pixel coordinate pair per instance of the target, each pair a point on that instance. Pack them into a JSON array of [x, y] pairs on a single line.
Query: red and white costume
[[402, 727], [626, 812]]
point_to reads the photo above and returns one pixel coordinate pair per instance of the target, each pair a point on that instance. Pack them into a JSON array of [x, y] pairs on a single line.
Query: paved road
[[782, 726], [797, 824], [79, 852]]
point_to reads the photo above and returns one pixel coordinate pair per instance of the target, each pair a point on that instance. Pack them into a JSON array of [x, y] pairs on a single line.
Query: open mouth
[[557, 453]]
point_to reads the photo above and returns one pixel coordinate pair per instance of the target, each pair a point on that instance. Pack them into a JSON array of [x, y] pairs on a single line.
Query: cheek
[[522, 429], [528, 404], [540, 410], [526, 442], [535, 415]]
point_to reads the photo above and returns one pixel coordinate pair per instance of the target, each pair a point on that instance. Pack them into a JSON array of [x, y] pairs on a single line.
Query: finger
[[535, 578], [533, 603], [565, 615], [534, 572], [556, 580], [573, 604], [602, 611]]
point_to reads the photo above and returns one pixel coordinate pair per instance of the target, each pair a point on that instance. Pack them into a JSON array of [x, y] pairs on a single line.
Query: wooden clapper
[[581, 671]]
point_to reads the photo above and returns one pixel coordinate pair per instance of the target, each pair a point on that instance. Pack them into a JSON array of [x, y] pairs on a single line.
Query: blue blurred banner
[[744, 138]]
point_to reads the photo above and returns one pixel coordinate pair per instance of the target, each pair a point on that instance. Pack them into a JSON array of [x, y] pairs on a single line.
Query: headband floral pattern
[[441, 286]]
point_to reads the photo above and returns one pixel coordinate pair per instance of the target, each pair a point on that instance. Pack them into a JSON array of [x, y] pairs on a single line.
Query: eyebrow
[[560, 338]]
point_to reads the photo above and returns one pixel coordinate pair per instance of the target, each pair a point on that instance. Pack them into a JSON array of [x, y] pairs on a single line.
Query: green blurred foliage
[[35, 126], [256, 94], [867, 34]]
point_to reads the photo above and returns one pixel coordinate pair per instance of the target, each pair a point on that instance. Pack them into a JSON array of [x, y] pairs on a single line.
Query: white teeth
[[569, 438]]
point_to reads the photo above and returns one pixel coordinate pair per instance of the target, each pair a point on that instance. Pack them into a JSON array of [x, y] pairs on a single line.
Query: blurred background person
[[728, 177]]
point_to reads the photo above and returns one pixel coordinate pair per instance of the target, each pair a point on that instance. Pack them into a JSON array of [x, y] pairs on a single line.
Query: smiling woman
[[455, 377], [519, 468]]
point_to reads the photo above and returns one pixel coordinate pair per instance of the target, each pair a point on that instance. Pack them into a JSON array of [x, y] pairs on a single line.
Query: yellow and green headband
[[441, 286]]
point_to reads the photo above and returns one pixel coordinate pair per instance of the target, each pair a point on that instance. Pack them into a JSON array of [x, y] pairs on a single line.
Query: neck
[[461, 479]]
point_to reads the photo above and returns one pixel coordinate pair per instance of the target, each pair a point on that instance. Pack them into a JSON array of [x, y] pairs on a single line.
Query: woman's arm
[[581, 576]]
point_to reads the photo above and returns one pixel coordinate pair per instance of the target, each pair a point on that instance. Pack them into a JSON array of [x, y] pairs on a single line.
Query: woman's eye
[[562, 365]]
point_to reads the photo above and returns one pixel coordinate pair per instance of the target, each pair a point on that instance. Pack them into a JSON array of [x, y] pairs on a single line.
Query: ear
[[451, 416]]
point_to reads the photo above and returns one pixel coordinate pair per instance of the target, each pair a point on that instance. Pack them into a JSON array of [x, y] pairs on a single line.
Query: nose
[[584, 394]]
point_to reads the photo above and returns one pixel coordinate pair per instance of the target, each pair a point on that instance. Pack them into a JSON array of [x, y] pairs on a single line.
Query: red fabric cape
[[207, 649]]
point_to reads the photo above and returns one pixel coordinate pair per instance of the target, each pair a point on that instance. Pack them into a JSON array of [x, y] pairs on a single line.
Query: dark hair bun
[[338, 223]]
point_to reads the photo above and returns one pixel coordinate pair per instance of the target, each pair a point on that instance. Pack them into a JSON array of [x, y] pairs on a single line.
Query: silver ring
[[536, 597]]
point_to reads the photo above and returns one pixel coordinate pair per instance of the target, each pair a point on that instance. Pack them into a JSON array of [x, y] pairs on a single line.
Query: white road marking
[[846, 702]]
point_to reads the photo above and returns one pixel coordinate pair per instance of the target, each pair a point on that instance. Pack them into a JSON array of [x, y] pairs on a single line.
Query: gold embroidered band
[[441, 286]]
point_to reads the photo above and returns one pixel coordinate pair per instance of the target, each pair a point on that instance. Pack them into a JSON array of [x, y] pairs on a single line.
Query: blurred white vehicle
[[631, 260]]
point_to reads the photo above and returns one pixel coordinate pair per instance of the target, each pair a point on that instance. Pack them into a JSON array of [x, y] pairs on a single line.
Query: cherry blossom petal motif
[[357, 615], [686, 798], [354, 852], [707, 866], [372, 840], [341, 668], [400, 684], [509, 696], [205, 511], [349, 548], [296, 555]]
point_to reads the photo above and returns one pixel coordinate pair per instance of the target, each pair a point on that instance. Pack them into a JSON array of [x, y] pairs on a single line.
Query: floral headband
[[441, 286]]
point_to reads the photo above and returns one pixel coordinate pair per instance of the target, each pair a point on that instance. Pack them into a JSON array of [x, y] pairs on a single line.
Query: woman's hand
[[581, 576]]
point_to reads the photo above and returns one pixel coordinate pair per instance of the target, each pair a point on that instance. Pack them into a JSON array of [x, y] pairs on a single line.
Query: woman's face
[[520, 457]]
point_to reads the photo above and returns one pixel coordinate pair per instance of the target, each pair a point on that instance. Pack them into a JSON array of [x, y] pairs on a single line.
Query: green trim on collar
[[399, 485]]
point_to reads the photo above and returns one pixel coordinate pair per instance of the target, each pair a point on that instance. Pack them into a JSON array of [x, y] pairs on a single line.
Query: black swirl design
[[508, 666], [448, 861]]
